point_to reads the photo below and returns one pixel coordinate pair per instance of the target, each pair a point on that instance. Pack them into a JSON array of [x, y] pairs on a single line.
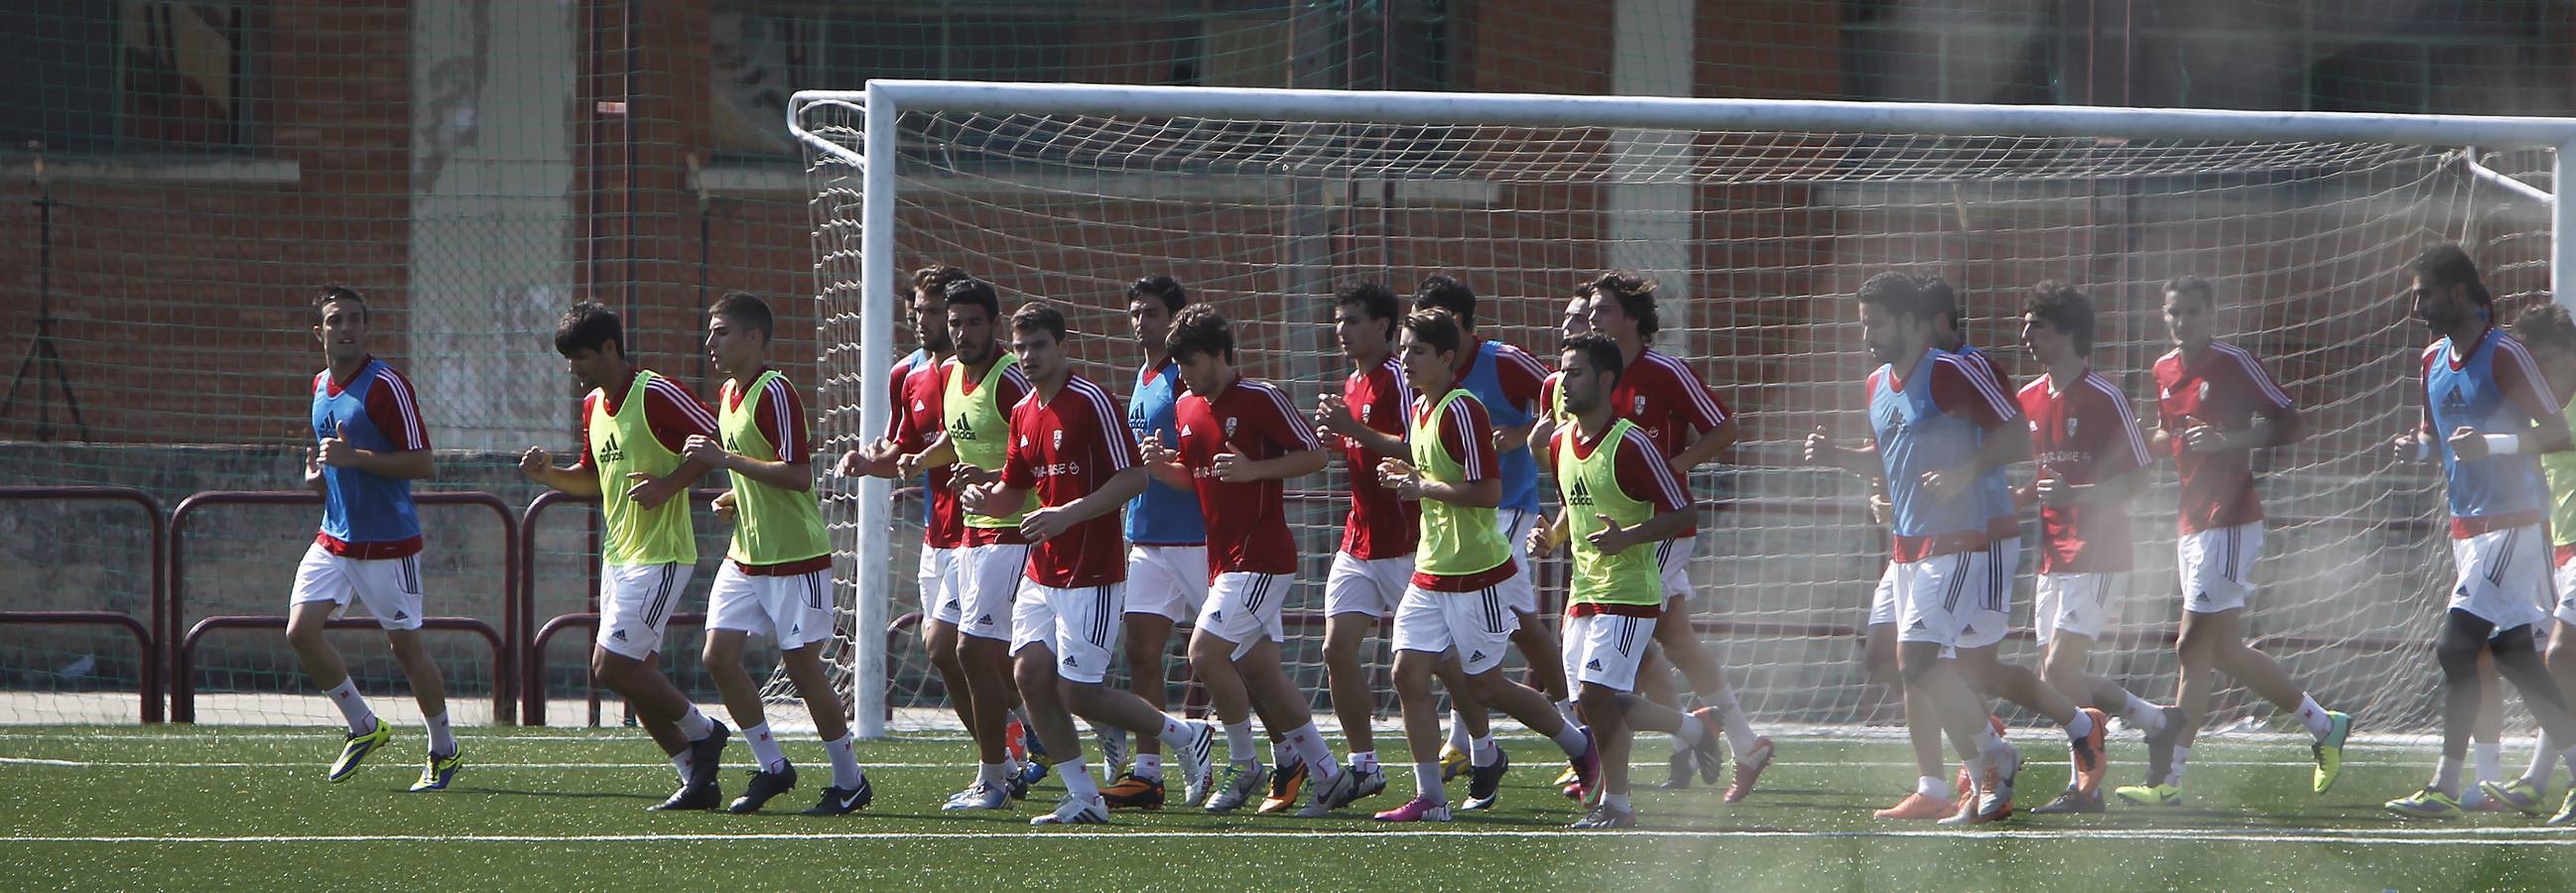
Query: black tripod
[[42, 357]]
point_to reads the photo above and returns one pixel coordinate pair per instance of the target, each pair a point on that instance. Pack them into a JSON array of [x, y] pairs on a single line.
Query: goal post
[[1048, 188]]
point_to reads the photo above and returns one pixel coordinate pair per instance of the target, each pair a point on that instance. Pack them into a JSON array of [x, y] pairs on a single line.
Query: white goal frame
[[884, 100]]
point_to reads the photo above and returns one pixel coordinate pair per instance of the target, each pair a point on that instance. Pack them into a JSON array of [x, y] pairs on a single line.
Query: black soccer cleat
[[691, 797], [1485, 783], [706, 755], [2072, 801], [764, 785], [843, 801]]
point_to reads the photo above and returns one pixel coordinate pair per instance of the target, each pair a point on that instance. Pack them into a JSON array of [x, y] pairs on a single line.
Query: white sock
[[1307, 742], [1149, 766], [1426, 782], [1617, 801], [1976, 767], [2544, 762], [1176, 734], [2314, 717], [1693, 731], [2080, 727], [1238, 742], [764, 748], [1571, 738], [2142, 716], [1364, 760], [442, 738], [695, 725], [1739, 729], [1486, 752], [1458, 732], [2489, 757], [1566, 709], [1935, 788], [680, 763], [1987, 739], [1077, 779], [2446, 775], [844, 752], [352, 707], [993, 774], [1281, 755], [2181, 758]]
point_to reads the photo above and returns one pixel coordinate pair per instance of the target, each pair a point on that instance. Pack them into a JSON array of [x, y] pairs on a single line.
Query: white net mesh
[[1757, 239]]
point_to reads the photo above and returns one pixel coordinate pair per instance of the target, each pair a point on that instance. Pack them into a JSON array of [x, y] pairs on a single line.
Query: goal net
[[1758, 219]]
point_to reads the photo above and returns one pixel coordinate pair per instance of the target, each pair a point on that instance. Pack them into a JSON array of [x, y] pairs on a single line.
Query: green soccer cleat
[[2426, 804], [2149, 794], [358, 746], [439, 771], [2566, 814], [2329, 752], [2517, 793]]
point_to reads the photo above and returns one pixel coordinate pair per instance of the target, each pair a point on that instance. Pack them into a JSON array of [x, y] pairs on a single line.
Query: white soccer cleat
[[981, 796], [1241, 785], [1074, 810], [1331, 794], [1114, 756], [1197, 758]]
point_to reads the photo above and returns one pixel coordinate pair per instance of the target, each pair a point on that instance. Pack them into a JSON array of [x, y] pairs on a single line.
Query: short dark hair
[[1039, 316], [1445, 292], [747, 310], [2546, 323], [1897, 294], [1374, 299], [2064, 309], [2446, 265], [1636, 297], [935, 278], [332, 293], [1435, 327], [587, 326], [970, 290], [1602, 351], [1939, 300], [1165, 287], [1199, 329], [2189, 285]]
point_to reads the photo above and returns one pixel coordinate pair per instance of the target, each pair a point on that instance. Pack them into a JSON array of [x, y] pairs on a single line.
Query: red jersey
[[916, 423], [2006, 524], [2225, 387], [2083, 435], [670, 410], [1065, 449], [1468, 436], [1662, 395], [1380, 525], [1247, 524]]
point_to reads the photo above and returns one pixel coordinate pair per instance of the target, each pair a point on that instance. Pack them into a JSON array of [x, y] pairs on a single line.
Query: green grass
[[197, 807]]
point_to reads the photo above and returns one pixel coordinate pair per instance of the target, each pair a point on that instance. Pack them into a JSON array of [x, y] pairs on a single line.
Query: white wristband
[[2424, 449], [2502, 444]]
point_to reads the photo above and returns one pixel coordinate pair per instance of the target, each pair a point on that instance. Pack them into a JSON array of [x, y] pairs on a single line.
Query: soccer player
[[776, 581], [1508, 382], [1067, 448], [634, 425], [1166, 543], [1453, 620], [1240, 438], [1375, 561], [2487, 412], [2214, 406], [2550, 334], [369, 446], [1620, 498], [2087, 449], [1685, 420]]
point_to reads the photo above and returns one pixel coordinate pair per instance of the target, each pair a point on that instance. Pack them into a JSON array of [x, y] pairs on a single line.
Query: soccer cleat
[[1072, 810], [1238, 786], [1749, 770], [843, 801], [1196, 758], [706, 755], [1587, 767], [2071, 801], [1993, 799], [2088, 756], [1030, 774], [1604, 816], [1114, 756], [1917, 806], [2425, 804], [355, 748], [2329, 752], [1566, 778], [1372, 781], [2159, 794], [690, 798], [2475, 800], [2566, 814], [1418, 809], [981, 796], [1684, 771], [763, 786], [2516, 794], [440, 770], [1963, 787], [1131, 792], [2160, 747], [1284, 785], [1452, 762], [1711, 752], [1331, 794], [1485, 783]]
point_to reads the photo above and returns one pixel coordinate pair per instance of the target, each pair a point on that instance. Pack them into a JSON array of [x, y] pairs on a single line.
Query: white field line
[[2426, 837]]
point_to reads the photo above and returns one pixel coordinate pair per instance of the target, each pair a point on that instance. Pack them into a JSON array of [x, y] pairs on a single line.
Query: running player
[[634, 425], [2550, 335], [369, 446], [1166, 544], [2214, 406], [1375, 561]]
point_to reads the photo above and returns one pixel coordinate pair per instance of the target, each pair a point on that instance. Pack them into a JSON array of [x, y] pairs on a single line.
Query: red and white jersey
[[1467, 435], [1247, 524], [2084, 434], [390, 407], [1662, 395], [2006, 523], [2224, 387], [1379, 525], [669, 409], [782, 420], [1064, 449], [913, 426]]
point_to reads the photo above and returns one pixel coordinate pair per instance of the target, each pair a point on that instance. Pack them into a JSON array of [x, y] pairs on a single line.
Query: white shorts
[[1371, 586], [389, 586], [2503, 575], [1079, 626], [1477, 624], [635, 602], [793, 611], [2565, 577], [1520, 593], [937, 575], [1882, 601], [1170, 581], [1243, 608], [989, 577], [1605, 649], [2217, 566], [1674, 555], [1948, 600], [2077, 604], [2003, 565]]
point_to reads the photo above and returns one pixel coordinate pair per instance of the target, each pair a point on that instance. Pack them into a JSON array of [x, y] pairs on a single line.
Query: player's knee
[[2458, 654], [1412, 670], [1917, 660]]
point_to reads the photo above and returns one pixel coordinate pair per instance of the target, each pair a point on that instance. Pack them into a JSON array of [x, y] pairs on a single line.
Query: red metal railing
[[183, 707], [147, 636], [532, 683]]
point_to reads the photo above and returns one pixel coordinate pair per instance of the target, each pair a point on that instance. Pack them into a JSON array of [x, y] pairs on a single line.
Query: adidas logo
[[1593, 664], [1476, 656], [2202, 597], [399, 615], [1218, 616], [1582, 494], [1969, 630], [611, 452], [1918, 625], [986, 620], [2454, 401], [618, 636], [1071, 661], [959, 430]]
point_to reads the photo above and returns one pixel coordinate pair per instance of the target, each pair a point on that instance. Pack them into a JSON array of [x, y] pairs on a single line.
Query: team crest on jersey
[[2070, 426], [1229, 426], [2204, 389], [1641, 404], [1365, 411], [1056, 440]]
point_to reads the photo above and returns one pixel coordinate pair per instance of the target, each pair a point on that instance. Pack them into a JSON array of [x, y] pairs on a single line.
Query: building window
[[145, 77]]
